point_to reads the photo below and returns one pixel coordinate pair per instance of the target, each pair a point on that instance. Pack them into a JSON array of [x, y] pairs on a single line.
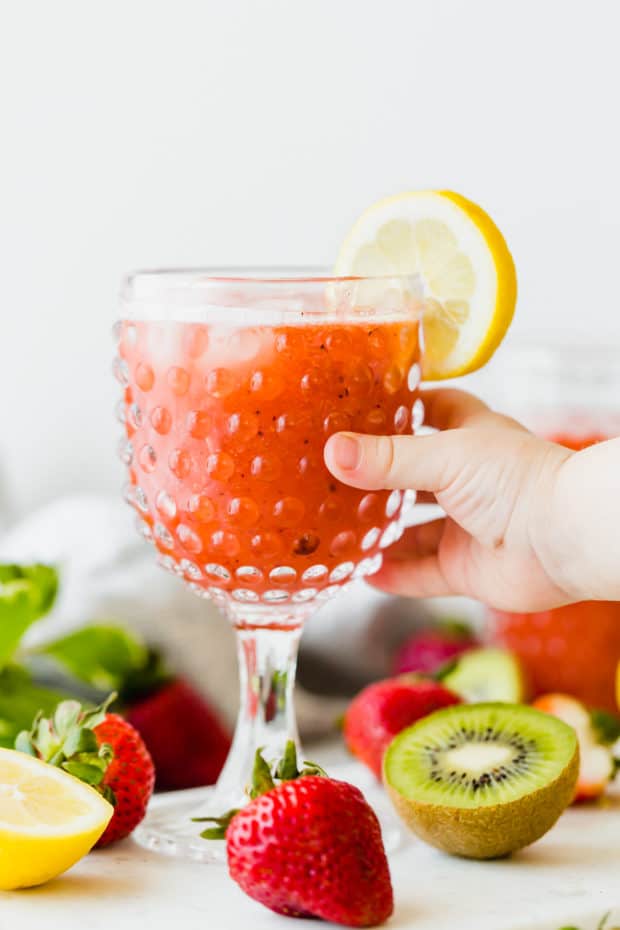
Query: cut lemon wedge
[[48, 820], [468, 274]]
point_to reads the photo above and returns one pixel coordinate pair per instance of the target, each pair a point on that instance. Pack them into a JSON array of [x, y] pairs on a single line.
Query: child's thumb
[[426, 463]]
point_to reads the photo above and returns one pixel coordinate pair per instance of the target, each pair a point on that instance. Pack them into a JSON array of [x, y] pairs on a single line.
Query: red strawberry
[[184, 736], [309, 846], [573, 650], [130, 776], [428, 650], [102, 749], [385, 708], [597, 766]]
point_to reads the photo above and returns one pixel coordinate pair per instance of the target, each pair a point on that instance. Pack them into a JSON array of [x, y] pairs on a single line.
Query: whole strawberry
[[308, 846], [428, 650], [183, 734], [385, 708], [101, 749]]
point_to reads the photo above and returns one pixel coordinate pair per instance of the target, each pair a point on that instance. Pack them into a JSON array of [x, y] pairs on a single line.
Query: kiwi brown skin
[[489, 832]]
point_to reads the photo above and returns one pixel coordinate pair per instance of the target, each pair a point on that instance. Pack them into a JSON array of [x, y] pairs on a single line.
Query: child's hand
[[509, 497]]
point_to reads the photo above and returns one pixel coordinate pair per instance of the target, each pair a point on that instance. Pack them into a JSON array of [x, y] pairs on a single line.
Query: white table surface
[[571, 876]]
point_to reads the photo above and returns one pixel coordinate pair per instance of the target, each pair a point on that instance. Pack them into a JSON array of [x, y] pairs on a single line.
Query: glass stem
[[267, 666]]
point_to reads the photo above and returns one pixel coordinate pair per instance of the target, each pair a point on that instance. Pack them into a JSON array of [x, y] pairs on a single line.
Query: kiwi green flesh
[[487, 675], [436, 777]]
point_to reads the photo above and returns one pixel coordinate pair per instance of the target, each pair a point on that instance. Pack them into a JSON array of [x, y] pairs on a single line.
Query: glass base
[[168, 828]]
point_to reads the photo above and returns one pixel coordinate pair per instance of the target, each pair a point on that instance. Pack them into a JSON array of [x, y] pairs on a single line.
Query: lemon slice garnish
[[462, 258], [48, 820]]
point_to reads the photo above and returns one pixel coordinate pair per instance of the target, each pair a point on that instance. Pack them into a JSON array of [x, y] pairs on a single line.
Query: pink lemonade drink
[[225, 435], [231, 387]]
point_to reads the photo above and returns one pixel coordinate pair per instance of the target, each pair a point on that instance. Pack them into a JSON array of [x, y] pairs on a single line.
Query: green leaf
[[287, 766], [20, 700], [42, 578], [218, 832], [312, 768], [455, 626], [66, 716], [80, 740], [45, 739], [91, 774], [27, 592], [262, 780], [605, 725], [96, 715], [23, 743], [91, 758], [444, 670], [102, 656], [106, 753], [108, 794]]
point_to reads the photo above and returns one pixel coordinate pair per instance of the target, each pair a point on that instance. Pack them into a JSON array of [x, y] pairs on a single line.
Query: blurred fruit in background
[[596, 732], [183, 733], [185, 737], [383, 709], [483, 675], [573, 649], [428, 649], [570, 394]]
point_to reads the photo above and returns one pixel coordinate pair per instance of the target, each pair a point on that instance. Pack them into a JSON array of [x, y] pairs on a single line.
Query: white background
[[137, 133]]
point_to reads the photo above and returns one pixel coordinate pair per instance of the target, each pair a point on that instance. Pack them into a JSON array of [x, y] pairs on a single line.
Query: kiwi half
[[482, 780], [487, 675]]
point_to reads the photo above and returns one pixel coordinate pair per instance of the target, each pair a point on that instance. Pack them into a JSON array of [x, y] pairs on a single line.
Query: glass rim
[[160, 279], [256, 274], [289, 290]]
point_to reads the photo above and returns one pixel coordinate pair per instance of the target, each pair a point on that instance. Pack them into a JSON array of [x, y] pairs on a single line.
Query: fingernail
[[347, 451]]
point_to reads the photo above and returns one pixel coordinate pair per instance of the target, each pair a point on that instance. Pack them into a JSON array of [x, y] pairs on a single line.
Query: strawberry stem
[[287, 766], [263, 780], [218, 832]]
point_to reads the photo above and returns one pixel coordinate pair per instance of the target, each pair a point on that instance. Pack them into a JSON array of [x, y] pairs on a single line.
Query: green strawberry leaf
[[287, 766], [66, 716], [27, 592], [444, 670], [454, 626], [74, 747], [23, 743], [218, 832], [79, 740], [101, 656], [85, 771], [262, 779]]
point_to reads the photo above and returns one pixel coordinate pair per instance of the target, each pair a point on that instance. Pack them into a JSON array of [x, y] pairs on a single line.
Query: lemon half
[[466, 268], [48, 820]]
